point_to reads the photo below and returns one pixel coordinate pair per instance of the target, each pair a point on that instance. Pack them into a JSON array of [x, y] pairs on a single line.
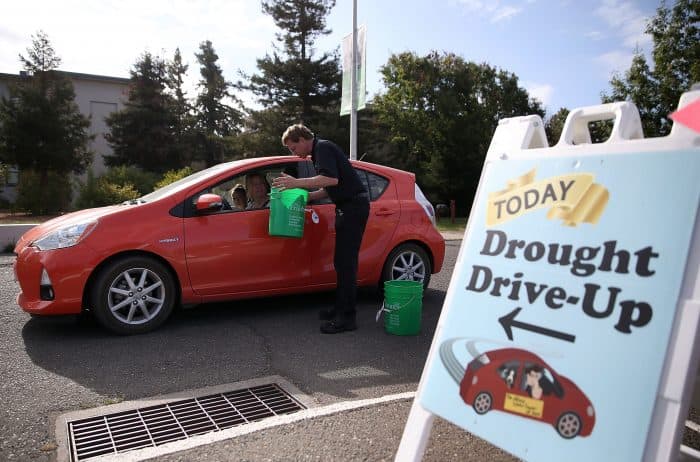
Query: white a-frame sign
[[569, 327]]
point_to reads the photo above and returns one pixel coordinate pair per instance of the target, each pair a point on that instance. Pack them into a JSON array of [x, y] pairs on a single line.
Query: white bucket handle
[[379, 313]]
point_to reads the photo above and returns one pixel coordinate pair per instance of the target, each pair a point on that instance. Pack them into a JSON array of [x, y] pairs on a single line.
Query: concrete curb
[[10, 234]]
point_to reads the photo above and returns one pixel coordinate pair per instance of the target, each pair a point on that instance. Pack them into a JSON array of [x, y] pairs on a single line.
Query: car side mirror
[[208, 203]]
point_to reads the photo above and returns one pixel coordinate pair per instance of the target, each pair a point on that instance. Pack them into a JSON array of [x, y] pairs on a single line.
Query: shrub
[[141, 180], [98, 192], [48, 199], [172, 176]]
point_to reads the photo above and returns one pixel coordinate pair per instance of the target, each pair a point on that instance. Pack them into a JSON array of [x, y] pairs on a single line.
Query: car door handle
[[384, 212]]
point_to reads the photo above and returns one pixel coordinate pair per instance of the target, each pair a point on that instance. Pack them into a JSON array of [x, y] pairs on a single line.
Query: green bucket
[[403, 305], [287, 212]]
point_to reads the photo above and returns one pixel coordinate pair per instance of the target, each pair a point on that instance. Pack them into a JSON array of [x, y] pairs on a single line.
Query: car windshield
[[182, 183]]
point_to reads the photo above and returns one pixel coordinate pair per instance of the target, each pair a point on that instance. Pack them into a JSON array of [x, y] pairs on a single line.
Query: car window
[[509, 372], [375, 184], [229, 188]]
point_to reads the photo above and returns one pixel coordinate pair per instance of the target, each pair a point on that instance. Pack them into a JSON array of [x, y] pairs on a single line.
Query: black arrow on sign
[[508, 321]]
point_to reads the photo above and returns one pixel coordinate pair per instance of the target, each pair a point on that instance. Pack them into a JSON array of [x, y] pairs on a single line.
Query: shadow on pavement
[[229, 342]]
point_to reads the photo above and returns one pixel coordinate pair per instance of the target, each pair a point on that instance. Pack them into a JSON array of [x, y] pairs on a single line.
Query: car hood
[[67, 220]]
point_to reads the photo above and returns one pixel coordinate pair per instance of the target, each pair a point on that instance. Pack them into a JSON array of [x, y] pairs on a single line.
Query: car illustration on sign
[[521, 383], [188, 243]]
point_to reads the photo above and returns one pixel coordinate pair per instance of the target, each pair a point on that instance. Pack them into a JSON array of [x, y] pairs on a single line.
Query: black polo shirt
[[331, 161]]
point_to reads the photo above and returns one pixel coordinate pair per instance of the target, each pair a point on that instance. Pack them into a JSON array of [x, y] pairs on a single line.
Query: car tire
[[407, 262], [133, 295], [482, 402], [568, 425]]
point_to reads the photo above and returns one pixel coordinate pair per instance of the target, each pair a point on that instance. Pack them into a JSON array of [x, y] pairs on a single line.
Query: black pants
[[350, 221]]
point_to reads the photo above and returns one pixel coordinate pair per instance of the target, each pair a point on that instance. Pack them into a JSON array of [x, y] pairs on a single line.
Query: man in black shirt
[[337, 179]]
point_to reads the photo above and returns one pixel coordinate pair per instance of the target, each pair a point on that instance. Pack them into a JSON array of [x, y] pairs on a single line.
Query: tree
[[440, 113], [302, 87], [676, 55], [184, 120], [41, 128], [142, 134], [215, 119], [555, 125]]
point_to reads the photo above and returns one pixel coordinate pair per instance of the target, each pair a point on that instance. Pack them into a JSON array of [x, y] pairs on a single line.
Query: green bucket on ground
[[403, 306], [287, 212]]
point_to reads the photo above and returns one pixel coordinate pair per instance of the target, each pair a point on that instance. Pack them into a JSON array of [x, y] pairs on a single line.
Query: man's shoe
[[333, 327], [326, 315]]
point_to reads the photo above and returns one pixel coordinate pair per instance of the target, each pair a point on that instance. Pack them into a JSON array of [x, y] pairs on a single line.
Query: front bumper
[[68, 270]]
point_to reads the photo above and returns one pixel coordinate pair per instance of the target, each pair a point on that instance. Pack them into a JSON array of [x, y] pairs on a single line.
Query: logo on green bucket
[[403, 306], [287, 212]]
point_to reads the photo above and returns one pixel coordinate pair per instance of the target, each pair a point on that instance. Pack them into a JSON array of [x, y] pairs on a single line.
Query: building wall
[[97, 97]]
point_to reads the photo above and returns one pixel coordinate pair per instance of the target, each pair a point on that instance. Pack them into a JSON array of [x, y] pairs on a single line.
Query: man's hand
[[284, 181]]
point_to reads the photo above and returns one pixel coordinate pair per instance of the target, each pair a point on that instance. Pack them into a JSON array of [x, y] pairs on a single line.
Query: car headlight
[[65, 237]]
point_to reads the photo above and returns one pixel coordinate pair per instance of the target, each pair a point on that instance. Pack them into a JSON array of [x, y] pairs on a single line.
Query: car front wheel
[[568, 425], [407, 262], [133, 295]]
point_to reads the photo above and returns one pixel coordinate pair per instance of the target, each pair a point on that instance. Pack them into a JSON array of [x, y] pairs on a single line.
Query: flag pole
[[353, 86]]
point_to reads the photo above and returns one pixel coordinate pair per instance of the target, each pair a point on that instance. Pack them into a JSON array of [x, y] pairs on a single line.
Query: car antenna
[[363, 156]]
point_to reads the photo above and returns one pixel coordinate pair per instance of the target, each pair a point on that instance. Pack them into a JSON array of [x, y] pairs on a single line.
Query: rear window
[[375, 184]]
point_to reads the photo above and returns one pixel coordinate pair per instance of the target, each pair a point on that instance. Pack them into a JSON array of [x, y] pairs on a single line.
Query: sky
[[564, 52]]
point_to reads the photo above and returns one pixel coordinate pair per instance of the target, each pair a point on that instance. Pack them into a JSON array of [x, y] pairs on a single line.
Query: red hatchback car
[[186, 243], [521, 383]]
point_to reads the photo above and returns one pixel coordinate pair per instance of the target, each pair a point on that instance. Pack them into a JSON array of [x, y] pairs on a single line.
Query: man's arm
[[319, 181], [317, 195]]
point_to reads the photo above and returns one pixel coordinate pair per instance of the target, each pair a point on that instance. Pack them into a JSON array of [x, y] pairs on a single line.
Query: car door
[[383, 220], [231, 252]]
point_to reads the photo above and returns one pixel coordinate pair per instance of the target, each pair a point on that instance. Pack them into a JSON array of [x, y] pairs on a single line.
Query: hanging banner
[[360, 75]]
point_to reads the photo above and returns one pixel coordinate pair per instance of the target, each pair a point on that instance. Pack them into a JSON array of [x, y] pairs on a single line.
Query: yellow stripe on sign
[[524, 405]]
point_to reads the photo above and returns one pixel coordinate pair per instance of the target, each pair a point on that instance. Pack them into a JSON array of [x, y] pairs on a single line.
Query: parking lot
[[59, 365], [51, 367]]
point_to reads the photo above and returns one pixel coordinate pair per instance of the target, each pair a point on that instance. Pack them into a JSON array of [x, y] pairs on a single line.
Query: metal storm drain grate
[[156, 425]]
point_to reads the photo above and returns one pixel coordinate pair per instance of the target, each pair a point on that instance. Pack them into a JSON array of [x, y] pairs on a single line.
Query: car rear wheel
[[568, 425], [133, 295], [407, 262]]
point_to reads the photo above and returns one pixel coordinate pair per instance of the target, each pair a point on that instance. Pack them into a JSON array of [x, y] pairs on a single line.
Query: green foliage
[[292, 81], [142, 181], [43, 193], [440, 113], [215, 119], [554, 126], [143, 133], [676, 56], [98, 192], [183, 112], [41, 127], [172, 176]]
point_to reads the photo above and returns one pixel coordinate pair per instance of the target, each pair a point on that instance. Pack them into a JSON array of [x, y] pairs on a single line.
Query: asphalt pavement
[[58, 366], [68, 365]]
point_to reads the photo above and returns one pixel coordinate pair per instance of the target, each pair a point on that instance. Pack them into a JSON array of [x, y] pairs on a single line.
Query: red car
[[185, 244], [519, 382]]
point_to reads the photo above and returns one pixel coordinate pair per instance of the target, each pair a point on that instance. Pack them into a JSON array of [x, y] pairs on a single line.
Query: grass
[[445, 224], [8, 218]]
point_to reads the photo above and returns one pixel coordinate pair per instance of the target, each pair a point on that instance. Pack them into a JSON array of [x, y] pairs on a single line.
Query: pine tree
[[184, 120], [215, 119], [303, 87], [41, 128], [142, 134]]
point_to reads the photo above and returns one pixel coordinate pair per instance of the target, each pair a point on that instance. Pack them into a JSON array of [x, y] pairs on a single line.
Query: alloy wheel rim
[[483, 403], [408, 266], [569, 425], [136, 296]]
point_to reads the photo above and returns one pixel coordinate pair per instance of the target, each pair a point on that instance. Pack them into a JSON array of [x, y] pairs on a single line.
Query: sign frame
[[524, 137]]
